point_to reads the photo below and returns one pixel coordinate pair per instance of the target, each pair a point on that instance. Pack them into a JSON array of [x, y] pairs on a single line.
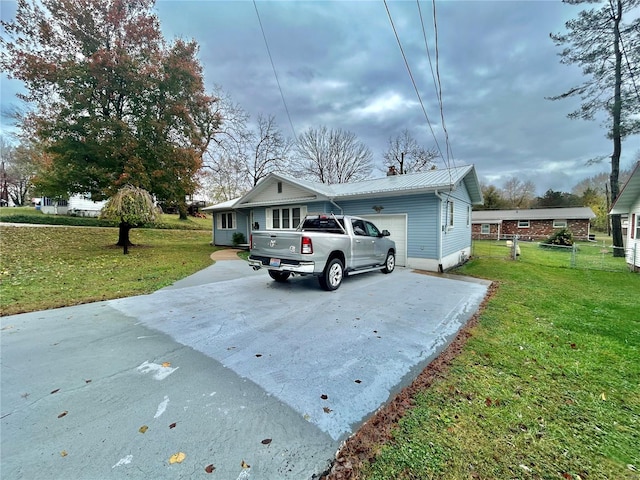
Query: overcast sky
[[339, 65]]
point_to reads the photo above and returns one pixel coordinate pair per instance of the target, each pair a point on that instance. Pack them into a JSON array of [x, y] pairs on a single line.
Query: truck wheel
[[390, 263], [331, 277], [279, 276]]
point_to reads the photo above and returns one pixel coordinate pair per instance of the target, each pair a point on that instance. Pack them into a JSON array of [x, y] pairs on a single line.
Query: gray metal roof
[[560, 213], [629, 193], [430, 180]]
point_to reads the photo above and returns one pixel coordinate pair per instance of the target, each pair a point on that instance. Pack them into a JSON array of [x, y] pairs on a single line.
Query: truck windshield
[[322, 224]]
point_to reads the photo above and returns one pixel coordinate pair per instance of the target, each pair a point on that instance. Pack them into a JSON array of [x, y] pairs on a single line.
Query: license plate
[[274, 262]]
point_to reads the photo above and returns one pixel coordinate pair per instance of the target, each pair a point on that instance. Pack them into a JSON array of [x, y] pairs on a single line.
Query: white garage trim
[[397, 225]]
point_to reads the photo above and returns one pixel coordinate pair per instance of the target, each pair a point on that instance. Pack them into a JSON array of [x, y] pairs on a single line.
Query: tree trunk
[[182, 210], [616, 113], [123, 237]]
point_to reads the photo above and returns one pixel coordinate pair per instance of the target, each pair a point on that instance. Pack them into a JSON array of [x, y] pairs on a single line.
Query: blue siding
[[422, 219], [459, 237], [225, 237]]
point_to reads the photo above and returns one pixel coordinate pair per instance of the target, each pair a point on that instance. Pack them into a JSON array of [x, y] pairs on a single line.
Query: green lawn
[[546, 387], [31, 215], [48, 267]]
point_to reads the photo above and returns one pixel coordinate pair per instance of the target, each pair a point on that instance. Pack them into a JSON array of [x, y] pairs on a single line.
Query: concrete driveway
[[247, 377]]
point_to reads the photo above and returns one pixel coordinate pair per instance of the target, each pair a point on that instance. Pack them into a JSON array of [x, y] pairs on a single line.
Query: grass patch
[[32, 216], [546, 387], [43, 267]]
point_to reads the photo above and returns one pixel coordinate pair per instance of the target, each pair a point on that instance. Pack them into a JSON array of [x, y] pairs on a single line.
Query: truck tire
[[390, 263], [332, 275], [279, 276]]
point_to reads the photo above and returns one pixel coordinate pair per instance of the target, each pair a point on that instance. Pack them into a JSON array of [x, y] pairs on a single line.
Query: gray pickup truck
[[327, 246]]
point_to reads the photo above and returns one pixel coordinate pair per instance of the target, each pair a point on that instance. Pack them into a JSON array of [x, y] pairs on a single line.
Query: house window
[[468, 215], [449, 214], [523, 223], [279, 187], [284, 218], [637, 217], [559, 224], [485, 229], [226, 221]]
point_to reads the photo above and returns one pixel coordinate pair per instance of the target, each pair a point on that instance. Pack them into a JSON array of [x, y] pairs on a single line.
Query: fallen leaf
[[358, 381], [209, 468], [177, 457], [258, 355], [55, 391], [266, 441], [166, 364], [323, 396], [245, 464], [62, 414], [603, 396], [327, 410], [487, 402], [63, 453], [173, 425], [143, 429], [573, 345], [567, 476], [87, 381]]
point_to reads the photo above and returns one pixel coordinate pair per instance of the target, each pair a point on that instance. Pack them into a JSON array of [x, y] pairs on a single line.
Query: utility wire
[[437, 84], [444, 125], [275, 73], [424, 111]]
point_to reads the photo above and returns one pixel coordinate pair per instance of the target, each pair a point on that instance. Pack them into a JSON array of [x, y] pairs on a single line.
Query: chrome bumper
[[306, 268]]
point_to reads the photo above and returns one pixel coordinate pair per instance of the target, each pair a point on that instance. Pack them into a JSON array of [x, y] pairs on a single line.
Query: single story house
[[628, 203], [531, 224], [427, 213], [78, 205]]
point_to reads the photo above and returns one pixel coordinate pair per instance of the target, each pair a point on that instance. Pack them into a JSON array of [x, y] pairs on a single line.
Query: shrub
[[562, 237], [238, 238]]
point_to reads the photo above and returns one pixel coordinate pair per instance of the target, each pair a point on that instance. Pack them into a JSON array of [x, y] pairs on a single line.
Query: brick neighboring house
[[531, 224]]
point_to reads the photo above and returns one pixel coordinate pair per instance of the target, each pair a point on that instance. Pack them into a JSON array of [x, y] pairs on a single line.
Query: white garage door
[[397, 226]]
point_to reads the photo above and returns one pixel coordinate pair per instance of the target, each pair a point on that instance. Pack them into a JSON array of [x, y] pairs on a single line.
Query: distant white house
[[628, 203], [78, 205]]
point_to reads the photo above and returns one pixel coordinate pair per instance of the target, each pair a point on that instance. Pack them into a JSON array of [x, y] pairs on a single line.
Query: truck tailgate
[[276, 245]]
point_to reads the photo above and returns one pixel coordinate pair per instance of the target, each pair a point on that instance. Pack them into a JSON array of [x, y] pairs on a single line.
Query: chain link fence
[[598, 255]]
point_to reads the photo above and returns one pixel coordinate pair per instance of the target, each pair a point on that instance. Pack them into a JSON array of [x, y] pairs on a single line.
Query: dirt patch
[[363, 445]]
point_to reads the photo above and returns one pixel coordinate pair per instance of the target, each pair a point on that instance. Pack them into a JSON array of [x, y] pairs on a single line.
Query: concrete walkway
[[261, 380]]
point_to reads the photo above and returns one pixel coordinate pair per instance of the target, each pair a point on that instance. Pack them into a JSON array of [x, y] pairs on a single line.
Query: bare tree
[[270, 151], [407, 156], [18, 169], [333, 156], [517, 193]]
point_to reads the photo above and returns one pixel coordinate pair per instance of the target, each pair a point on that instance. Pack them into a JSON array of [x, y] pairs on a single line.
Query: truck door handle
[[357, 241]]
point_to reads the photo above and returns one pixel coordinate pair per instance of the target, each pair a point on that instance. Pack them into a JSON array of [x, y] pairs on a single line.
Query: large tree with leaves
[[605, 43], [112, 102]]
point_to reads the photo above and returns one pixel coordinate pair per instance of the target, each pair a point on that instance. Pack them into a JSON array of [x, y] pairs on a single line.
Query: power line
[[275, 73], [424, 111]]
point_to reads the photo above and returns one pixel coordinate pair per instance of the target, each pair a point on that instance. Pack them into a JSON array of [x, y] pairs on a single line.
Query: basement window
[[523, 223]]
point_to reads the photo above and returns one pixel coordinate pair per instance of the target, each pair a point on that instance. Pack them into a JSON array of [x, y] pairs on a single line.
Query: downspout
[[440, 230]]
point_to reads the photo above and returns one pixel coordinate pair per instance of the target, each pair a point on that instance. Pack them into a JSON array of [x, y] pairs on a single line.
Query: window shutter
[[632, 224]]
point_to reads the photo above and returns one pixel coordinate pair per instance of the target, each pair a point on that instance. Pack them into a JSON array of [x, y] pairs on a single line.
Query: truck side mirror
[[385, 233]]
